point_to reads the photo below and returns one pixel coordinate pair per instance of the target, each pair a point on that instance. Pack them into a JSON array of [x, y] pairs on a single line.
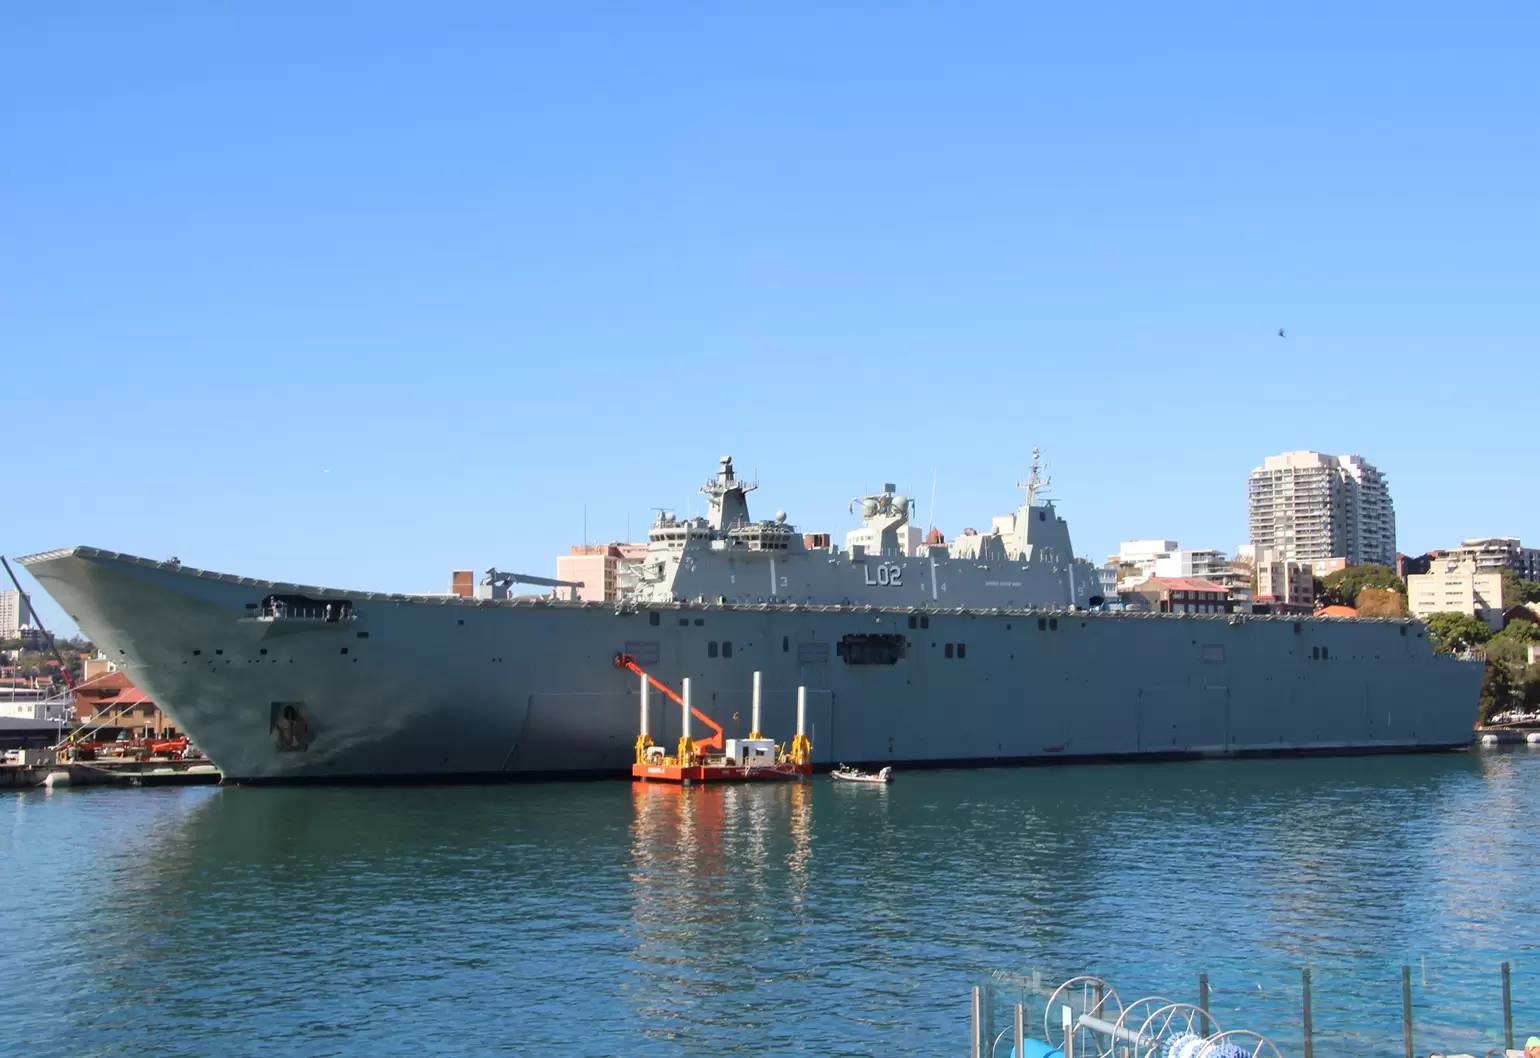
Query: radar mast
[[1036, 481]]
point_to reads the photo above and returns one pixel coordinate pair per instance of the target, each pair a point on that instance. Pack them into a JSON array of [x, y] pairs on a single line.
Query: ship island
[[993, 648]]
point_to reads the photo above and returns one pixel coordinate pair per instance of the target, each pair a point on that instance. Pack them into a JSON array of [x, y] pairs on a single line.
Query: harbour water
[[598, 918]]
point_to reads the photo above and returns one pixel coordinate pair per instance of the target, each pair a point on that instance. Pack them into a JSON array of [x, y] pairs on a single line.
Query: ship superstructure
[[990, 648], [1026, 560]]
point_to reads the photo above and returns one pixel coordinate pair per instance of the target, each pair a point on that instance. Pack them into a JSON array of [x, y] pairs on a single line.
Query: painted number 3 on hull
[[888, 575]]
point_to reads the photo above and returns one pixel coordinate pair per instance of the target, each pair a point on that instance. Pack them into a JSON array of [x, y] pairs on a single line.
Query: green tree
[[1457, 632], [1343, 586], [1517, 591], [1498, 690], [1519, 631]]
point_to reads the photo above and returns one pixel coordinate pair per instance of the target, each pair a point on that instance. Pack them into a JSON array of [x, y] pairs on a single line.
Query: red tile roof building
[[1180, 595], [113, 701]]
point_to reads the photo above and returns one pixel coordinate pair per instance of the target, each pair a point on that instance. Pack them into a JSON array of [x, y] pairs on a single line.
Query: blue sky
[[355, 294]]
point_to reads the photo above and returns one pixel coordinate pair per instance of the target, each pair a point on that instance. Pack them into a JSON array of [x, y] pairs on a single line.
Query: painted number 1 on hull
[[888, 575]]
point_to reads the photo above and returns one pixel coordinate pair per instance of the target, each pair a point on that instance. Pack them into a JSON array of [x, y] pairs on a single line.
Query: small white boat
[[857, 775]]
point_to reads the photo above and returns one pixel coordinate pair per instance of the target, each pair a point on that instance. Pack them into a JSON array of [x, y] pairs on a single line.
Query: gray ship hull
[[430, 686]]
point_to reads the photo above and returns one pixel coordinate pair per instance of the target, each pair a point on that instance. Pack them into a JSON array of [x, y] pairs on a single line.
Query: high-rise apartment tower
[[14, 613], [1309, 507]]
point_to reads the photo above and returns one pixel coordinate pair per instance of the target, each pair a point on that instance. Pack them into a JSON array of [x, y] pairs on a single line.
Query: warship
[[991, 648]]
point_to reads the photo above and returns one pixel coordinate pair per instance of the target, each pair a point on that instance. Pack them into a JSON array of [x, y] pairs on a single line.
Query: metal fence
[[1422, 1005]]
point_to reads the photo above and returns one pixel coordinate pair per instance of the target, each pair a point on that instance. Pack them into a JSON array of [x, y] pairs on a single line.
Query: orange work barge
[[752, 759]]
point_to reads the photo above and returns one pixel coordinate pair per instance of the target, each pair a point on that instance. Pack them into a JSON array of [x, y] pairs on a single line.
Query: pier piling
[[1308, 1018], [1507, 1007], [1406, 1007], [1203, 1001], [977, 1049]]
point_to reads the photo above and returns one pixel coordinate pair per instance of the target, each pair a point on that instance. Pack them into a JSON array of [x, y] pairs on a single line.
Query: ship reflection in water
[[720, 877], [607, 918]]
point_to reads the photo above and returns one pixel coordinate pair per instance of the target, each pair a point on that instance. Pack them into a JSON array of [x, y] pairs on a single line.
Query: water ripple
[[605, 919]]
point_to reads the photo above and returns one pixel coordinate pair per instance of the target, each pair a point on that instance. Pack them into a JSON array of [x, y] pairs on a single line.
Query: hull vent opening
[[871, 649]]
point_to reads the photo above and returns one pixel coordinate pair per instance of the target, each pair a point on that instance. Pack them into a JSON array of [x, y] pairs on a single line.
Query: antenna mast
[[1036, 482]]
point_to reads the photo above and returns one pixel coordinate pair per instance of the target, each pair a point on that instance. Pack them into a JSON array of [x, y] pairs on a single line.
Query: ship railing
[[325, 613]]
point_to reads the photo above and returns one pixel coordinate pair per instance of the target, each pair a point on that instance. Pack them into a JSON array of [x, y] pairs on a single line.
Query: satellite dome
[[780, 516]]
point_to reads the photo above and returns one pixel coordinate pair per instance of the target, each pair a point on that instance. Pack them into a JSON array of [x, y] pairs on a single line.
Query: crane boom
[[496, 582], [626, 661]]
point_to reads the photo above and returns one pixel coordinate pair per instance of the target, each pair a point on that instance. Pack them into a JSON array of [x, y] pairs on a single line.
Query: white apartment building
[[1139, 560], [14, 613], [1457, 586], [1498, 552], [1309, 507], [1184, 563]]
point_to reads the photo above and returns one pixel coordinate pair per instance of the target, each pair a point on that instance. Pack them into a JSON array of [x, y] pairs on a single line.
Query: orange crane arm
[[626, 661]]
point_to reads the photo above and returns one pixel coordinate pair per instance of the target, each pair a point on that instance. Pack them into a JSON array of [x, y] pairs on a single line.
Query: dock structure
[[50, 775], [752, 759]]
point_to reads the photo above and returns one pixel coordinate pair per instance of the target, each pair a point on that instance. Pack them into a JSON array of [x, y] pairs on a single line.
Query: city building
[[95, 668], [595, 566], [1284, 586], [1185, 563], [1179, 595], [15, 614], [1499, 553], [602, 569], [1138, 560], [1135, 559], [1457, 586], [1407, 565], [22, 698], [1107, 576], [1310, 507], [112, 701]]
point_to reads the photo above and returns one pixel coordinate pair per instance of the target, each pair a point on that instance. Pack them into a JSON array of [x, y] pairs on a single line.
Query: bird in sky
[[1281, 334]]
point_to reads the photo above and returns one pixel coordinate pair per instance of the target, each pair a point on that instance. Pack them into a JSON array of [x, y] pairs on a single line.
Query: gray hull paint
[[437, 686]]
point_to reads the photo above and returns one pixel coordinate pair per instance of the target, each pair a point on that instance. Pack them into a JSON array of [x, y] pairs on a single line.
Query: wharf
[[110, 773], [1508, 735]]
